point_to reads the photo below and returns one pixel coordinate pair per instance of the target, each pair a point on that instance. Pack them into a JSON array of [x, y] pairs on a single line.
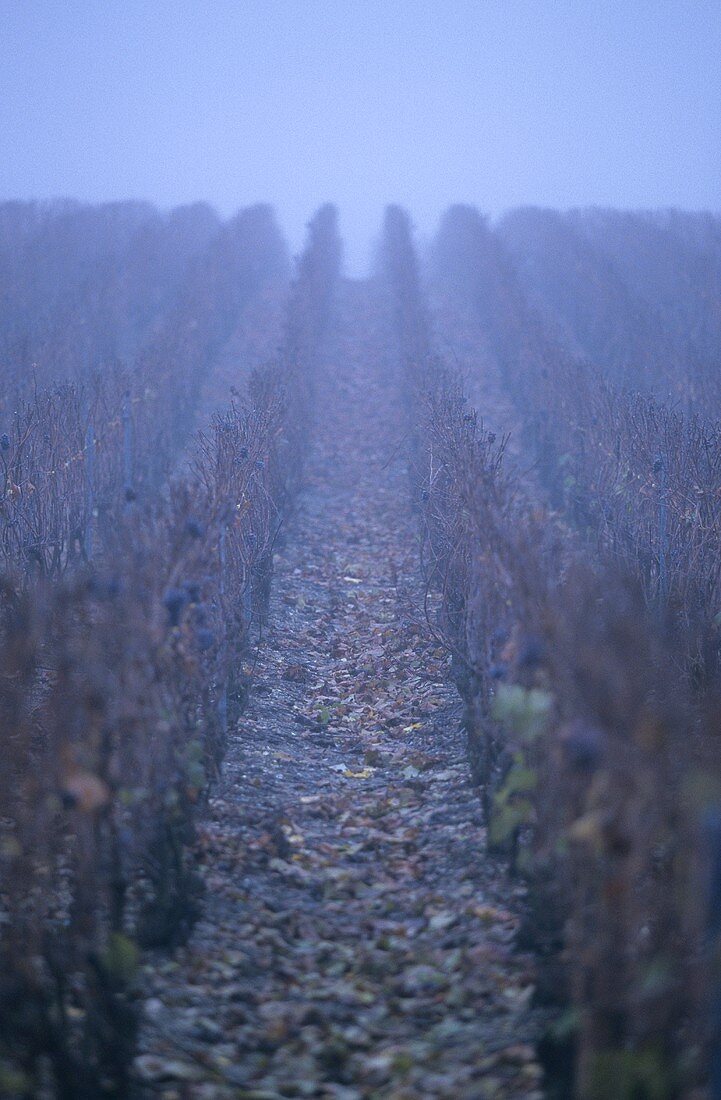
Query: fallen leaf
[[85, 791]]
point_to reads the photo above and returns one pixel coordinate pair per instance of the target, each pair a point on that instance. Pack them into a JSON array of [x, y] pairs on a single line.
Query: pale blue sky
[[363, 102]]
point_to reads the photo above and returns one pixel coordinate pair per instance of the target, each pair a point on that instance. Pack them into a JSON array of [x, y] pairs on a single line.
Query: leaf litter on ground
[[356, 942]]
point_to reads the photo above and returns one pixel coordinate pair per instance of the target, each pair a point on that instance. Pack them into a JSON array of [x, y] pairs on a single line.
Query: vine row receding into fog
[[360, 657]]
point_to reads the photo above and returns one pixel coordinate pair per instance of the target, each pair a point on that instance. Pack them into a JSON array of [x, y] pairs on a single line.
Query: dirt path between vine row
[[355, 940]]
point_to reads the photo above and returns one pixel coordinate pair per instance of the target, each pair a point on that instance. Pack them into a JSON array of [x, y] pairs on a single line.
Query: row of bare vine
[[124, 661], [581, 616]]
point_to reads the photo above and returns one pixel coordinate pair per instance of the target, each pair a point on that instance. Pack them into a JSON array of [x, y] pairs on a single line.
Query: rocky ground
[[355, 940]]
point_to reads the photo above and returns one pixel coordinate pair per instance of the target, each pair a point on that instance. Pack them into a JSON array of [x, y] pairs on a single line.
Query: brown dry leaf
[[86, 792], [295, 673]]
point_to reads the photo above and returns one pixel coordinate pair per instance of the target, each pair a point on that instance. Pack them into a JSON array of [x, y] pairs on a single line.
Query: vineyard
[[360, 657]]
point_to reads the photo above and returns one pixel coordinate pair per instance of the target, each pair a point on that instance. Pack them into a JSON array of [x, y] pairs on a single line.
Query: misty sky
[[363, 102]]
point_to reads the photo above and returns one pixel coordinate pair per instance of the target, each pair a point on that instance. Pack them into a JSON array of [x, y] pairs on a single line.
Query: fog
[[360, 638], [497, 103]]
